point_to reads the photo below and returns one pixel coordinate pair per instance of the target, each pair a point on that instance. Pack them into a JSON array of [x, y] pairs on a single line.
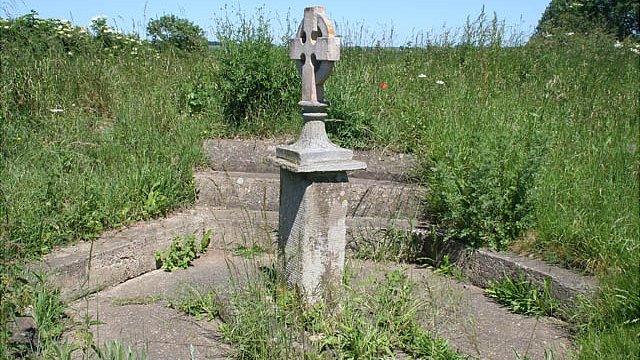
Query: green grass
[[248, 252], [202, 305], [533, 147], [523, 297], [270, 321]]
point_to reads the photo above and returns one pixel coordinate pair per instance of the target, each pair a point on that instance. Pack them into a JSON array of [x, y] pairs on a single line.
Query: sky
[[406, 17]]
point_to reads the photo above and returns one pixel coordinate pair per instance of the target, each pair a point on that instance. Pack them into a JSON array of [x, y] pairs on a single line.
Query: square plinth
[[312, 231]]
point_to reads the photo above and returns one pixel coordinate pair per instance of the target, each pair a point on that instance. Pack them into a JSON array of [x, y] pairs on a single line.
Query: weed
[[248, 252], [523, 297], [181, 252], [272, 321], [257, 82], [447, 267], [198, 304], [115, 350], [394, 245]]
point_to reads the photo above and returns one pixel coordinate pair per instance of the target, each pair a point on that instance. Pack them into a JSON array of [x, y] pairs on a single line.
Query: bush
[[29, 32], [619, 17], [172, 32], [113, 41], [481, 197], [258, 82]]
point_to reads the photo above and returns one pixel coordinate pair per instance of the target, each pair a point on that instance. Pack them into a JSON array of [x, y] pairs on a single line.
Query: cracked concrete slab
[[136, 311]]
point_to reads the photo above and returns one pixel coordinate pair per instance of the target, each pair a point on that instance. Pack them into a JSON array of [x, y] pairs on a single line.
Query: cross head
[[316, 48]]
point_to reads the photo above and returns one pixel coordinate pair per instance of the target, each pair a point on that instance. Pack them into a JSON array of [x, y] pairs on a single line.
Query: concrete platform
[[252, 155], [122, 254], [460, 313], [260, 191]]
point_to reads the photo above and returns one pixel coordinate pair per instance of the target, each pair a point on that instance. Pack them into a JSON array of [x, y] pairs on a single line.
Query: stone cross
[[316, 48], [313, 173]]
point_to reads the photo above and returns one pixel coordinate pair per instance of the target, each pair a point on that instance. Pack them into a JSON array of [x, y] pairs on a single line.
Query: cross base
[[312, 232], [298, 159], [314, 151]]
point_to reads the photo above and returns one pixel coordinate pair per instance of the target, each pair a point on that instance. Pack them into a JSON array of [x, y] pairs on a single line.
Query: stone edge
[[120, 255], [482, 266]]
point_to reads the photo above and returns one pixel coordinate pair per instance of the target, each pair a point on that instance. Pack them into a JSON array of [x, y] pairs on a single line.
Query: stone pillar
[[313, 174]]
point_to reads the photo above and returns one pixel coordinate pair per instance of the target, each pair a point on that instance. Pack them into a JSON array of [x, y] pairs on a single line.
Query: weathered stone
[[256, 156], [483, 266], [315, 49], [123, 254], [313, 178], [23, 331], [460, 313], [251, 191], [312, 228]]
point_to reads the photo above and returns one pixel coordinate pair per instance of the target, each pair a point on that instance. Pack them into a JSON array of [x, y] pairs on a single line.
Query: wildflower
[[98, 17], [617, 44], [635, 51], [570, 33], [440, 82], [6, 27], [70, 53], [548, 35], [383, 86], [56, 110], [422, 76]]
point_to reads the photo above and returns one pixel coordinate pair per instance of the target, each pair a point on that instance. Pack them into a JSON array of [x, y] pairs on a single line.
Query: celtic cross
[[316, 49]]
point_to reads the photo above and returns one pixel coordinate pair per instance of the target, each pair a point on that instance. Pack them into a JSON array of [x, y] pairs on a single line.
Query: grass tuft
[[523, 297]]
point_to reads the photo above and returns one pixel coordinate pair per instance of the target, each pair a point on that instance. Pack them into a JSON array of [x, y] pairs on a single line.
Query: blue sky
[[405, 16]]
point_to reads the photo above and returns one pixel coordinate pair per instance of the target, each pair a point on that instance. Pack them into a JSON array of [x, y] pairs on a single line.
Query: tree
[[619, 17], [170, 31]]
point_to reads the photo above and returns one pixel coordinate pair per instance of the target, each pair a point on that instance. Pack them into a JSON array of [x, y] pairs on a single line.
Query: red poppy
[[383, 85]]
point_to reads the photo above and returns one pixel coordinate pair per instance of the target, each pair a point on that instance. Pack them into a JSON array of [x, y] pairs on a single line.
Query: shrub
[[619, 17], [172, 32], [29, 32], [481, 197], [114, 41], [258, 82]]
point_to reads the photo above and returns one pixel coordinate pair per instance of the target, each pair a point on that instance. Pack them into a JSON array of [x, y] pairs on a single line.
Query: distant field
[[532, 147]]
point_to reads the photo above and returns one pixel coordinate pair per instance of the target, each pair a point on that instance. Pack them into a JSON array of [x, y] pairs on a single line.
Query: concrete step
[[122, 254], [136, 313], [250, 155], [260, 191]]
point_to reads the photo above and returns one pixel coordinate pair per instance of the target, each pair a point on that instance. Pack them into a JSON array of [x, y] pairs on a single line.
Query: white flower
[[617, 44], [422, 76], [70, 53], [440, 82], [56, 110], [548, 35], [98, 17], [635, 51], [6, 27], [570, 33]]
